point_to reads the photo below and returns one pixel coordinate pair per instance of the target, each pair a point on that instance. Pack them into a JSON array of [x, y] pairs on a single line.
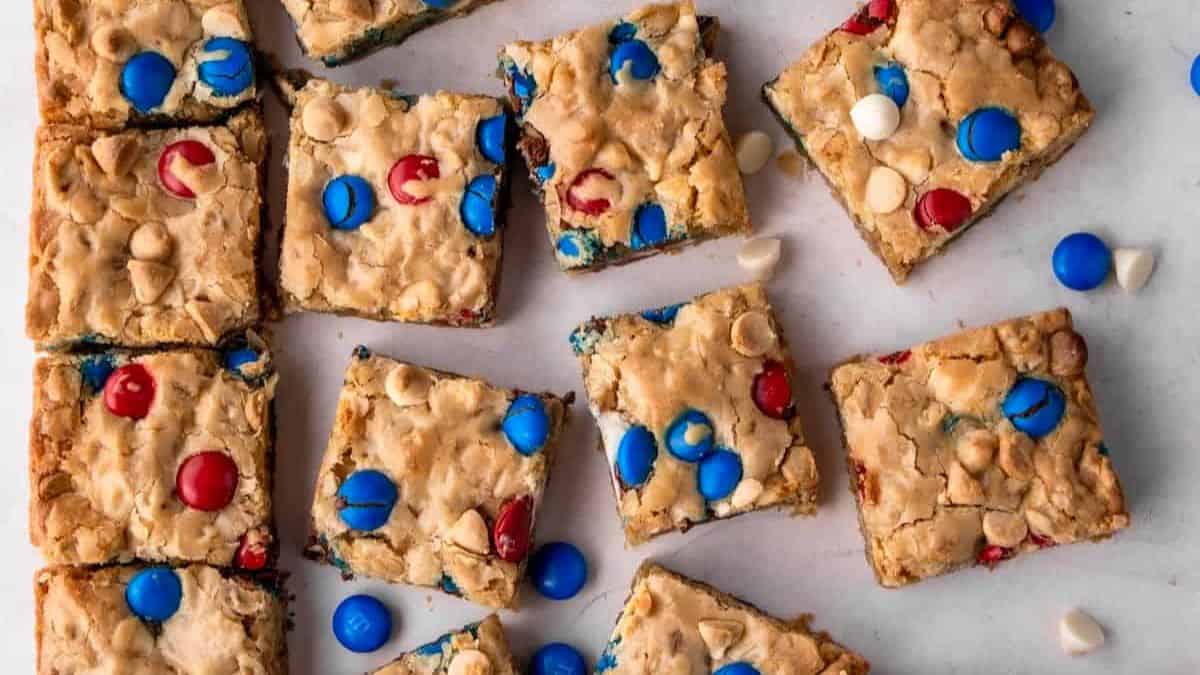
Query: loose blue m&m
[[366, 500], [558, 570], [1081, 261], [232, 74], [146, 79], [637, 57], [987, 133], [635, 455], [491, 137], [649, 226], [719, 474], [1196, 75], [690, 436], [893, 82], [663, 315], [349, 202], [557, 658], [1039, 13], [526, 424], [737, 668], [362, 623], [476, 208], [1034, 406], [154, 594]]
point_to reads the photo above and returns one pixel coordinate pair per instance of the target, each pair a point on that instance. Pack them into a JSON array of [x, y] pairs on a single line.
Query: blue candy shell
[[677, 442], [439, 4], [635, 455], [737, 668], [649, 226], [524, 87], [1039, 13], [1081, 261], [663, 316], [526, 424], [558, 570], [231, 75], [95, 371], [368, 497], [1034, 406], [491, 137], [476, 210], [577, 248], [146, 79], [893, 82], [349, 202], [987, 133], [236, 358], [719, 474], [154, 594], [545, 172], [557, 658], [1196, 75], [642, 63], [362, 623], [622, 32]]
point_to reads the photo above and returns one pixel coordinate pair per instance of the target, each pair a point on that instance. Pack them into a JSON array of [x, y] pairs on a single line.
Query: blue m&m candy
[[649, 226], [349, 202], [1196, 75], [893, 82], [524, 87], [476, 209], [362, 623], [1081, 261], [490, 136], [558, 570], [986, 134], [635, 455], [690, 436], [526, 424], [737, 668], [366, 498], [577, 248], [438, 4], [1039, 13], [663, 315], [622, 32], [557, 658], [154, 594], [232, 74], [1034, 406], [545, 172], [719, 474], [634, 57], [236, 358], [95, 371], [146, 79]]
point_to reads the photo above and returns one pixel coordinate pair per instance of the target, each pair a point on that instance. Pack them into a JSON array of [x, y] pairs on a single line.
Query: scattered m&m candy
[[1039, 13], [477, 209], [194, 153], [632, 59], [876, 117], [719, 474], [491, 136], [690, 436], [942, 208], [737, 668], [361, 623], [513, 530], [558, 570], [412, 168], [526, 424], [557, 658], [635, 455], [591, 191], [1034, 406], [986, 134], [1081, 261], [252, 553], [366, 499], [154, 594], [129, 391], [207, 481], [231, 74], [349, 202], [893, 82], [649, 226], [772, 391], [146, 79]]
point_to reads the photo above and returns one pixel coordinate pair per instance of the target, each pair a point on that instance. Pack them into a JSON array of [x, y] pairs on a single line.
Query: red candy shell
[[512, 532], [942, 208], [251, 555], [194, 153], [592, 207], [895, 358], [207, 480], [867, 19], [129, 391], [992, 555], [412, 167], [772, 390]]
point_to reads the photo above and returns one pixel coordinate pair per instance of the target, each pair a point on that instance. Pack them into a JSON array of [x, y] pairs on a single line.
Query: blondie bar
[[395, 205], [144, 238], [109, 64], [975, 448], [477, 649], [621, 128], [131, 619], [978, 106], [694, 404], [675, 624], [159, 456], [339, 31], [433, 479]]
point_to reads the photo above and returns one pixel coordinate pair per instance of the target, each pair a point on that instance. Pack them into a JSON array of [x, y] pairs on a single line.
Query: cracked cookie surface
[[479, 648], [943, 473]]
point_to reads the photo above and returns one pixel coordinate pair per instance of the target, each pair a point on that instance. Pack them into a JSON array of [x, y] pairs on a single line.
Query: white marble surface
[[1135, 179]]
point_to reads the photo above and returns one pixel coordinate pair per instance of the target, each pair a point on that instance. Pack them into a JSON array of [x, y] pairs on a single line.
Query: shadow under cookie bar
[[476, 648]]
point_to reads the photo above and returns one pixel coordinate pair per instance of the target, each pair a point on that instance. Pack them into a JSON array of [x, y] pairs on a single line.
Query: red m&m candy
[[942, 208], [194, 153], [991, 555], [772, 390], [586, 195], [252, 554], [412, 168], [129, 392], [867, 19], [512, 531], [207, 480]]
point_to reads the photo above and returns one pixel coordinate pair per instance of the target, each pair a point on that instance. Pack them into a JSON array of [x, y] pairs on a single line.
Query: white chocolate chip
[[760, 257], [150, 242], [747, 493], [1079, 633], [407, 386], [471, 533], [752, 334], [642, 603], [886, 190], [323, 119], [719, 635], [1134, 267], [149, 280], [223, 21], [976, 449], [876, 117], [113, 42], [353, 9], [208, 316], [115, 154], [753, 151], [1004, 529], [374, 111], [470, 662]]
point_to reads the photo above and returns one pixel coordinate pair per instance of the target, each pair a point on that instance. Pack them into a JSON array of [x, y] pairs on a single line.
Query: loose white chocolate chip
[[149, 279], [1079, 633], [470, 662], [150, 242], [876, 117], [760, 257], [471, 533], [747, 493], [1133, 266], [719, 635], [753, 151], [323, 119], [406, 385], [886, 190], [1004, 529], [752, 334]]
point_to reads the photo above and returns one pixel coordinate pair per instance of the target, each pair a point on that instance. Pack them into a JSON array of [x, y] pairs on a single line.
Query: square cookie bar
[[477, 648], [394, 205], [923, 114], [146, 238], [339, 31], [159, 456], [434, 479], [621, 128], [694, 404], [133, 619], [109, 64], [675, 624], [975, 448]]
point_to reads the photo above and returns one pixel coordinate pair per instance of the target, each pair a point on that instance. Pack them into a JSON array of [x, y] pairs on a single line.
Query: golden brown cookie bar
[[434, 479], [109, 63], [477, 648], [146, 238], [87, 622], [675, 624], [984, 107], [975, 448], [339, 31], [159, 456], [621, 127], [694, 404], [395, 205]]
